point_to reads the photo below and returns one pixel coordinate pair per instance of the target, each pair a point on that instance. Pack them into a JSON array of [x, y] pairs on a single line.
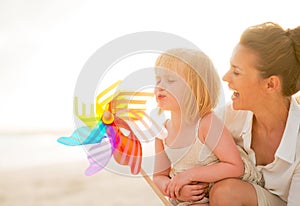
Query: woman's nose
[[226, 77]]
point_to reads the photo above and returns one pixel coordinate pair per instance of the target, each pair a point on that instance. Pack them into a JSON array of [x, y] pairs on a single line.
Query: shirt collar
[[288, 144]]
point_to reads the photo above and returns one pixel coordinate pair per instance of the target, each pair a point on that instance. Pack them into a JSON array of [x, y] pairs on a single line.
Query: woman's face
[[244, 79]]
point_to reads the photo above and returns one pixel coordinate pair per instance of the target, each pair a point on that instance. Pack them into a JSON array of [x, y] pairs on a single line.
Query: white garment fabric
[[188, 157], [282, 176], [199, 154]]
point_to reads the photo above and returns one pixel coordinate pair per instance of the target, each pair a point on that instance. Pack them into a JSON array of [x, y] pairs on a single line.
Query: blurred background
[[43, 47]]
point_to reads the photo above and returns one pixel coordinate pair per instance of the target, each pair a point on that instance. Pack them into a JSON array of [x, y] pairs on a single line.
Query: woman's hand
[[193, 192]]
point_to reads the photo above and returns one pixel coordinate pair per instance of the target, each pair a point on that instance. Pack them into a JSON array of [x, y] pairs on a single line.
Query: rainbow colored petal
[[84, 135], [99, 156]]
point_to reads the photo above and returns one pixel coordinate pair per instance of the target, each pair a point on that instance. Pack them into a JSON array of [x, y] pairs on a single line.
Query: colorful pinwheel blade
[[76, 138], [126, 101], [90, 119], [147, 127], [98, 156], [129, 152], [105, 97], [129, 148], [84, 135], [96, 135]]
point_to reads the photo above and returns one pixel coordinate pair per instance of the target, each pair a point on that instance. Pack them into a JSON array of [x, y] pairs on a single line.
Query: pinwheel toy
[[108, 134]]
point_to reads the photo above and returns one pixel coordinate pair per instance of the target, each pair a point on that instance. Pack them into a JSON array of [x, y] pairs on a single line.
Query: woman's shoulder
[[235, 120], [298, 99], [229, 115]]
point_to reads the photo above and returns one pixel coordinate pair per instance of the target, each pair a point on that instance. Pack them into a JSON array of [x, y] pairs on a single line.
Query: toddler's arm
[[216, 136], [162, 167]]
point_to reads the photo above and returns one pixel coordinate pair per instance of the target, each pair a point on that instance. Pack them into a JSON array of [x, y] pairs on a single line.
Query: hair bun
[[294, 34]]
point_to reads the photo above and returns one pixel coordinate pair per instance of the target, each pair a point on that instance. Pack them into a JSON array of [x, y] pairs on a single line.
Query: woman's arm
[[162, 167], [215, 135]]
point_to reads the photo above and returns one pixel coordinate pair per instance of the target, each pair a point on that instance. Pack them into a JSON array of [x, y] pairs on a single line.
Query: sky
[[45, 44]]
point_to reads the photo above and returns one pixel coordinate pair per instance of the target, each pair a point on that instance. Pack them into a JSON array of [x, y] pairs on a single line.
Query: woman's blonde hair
[[201, 77]]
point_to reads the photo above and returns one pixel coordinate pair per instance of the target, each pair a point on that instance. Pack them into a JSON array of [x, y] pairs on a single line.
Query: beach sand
[[37, 171], [65, 184]]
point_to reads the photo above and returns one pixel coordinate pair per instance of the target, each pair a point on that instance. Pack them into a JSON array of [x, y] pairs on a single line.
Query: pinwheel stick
[[154, 188]]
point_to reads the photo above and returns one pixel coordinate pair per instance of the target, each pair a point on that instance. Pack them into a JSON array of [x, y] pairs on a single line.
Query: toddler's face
[[170, 88]]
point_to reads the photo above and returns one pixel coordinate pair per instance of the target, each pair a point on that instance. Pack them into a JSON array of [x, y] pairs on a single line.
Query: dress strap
[[197, 128]]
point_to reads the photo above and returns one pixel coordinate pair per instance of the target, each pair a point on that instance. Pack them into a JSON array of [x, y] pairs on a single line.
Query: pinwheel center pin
[[107, 117]]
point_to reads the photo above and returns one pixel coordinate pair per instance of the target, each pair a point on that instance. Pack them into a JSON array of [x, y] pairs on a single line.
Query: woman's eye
[[235, 72]]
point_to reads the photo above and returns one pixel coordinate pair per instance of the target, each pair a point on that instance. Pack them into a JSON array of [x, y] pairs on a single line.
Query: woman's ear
[[273, 83]]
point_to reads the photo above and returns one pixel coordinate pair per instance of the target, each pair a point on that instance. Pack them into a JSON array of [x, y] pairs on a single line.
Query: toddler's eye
[[171, 80], [158, 80]]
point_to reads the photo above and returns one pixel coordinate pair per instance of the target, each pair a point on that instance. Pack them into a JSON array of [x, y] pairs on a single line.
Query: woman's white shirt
[[282, 176]]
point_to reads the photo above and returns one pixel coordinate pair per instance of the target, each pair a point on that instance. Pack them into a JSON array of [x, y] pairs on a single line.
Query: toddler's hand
[[193, 192], [177, 183], [165, 188]]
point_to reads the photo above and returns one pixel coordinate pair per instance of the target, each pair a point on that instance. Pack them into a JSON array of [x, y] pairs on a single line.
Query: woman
[[264, 74], [264, 118]]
